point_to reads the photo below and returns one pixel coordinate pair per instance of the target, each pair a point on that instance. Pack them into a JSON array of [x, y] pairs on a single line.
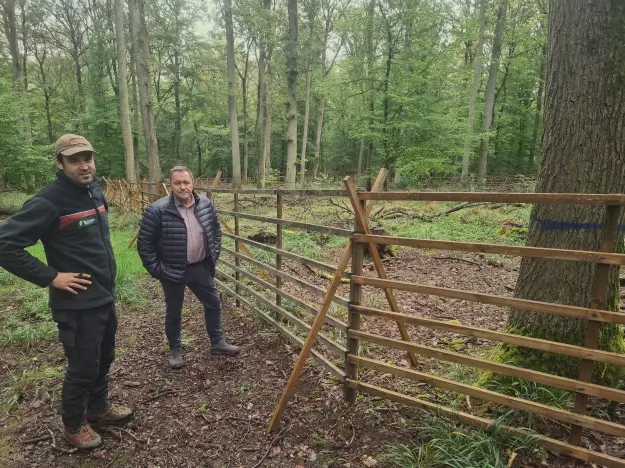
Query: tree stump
[[264, 237], [385, 251]]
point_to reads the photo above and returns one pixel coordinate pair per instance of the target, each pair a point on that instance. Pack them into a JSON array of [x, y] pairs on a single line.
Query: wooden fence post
[[353, 318], [237, 244], [601, 284], [279, 245]]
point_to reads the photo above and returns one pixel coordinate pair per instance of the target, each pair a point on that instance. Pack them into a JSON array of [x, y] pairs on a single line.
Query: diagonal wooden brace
[[276, 417], [361, 218]]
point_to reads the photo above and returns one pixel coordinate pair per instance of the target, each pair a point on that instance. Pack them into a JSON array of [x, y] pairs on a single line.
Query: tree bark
[[268, 115], [136, 124], [477, 73], [261, 121], [178, 112], [244, 78], [302, 171], [582, 152], [24, 46], [361, 154], [322, 108], [263, 124], [124, 110], [491, 88], [41, 56], [371, 84], [142, 58], [232, 100], [291, 158], [199, 150]]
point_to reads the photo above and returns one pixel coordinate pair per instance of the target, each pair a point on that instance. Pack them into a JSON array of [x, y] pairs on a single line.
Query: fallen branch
[[172, 456], [270, 445], [457, 258], [157, 396], [112, 461], [60, 449], [126, 431], [511, 461], [36, 439], [403, 212], [108, 430]]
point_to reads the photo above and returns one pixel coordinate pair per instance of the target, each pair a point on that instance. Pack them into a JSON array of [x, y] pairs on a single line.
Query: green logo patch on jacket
[[83, 223]]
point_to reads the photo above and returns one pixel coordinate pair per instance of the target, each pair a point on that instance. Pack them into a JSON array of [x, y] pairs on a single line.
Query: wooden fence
[[245, 270], [578, 419]]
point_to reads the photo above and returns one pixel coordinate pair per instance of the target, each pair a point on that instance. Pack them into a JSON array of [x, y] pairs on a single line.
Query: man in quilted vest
[[179, 244]]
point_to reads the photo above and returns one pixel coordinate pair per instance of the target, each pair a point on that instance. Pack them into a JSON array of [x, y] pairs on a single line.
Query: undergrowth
[[444, 443]]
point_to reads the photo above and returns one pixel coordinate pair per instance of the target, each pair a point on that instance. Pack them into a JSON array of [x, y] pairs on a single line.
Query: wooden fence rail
[[578, 418], [248, 279]]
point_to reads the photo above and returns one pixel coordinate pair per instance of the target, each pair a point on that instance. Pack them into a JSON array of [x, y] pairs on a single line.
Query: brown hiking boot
[[113, 415], [83, 437]]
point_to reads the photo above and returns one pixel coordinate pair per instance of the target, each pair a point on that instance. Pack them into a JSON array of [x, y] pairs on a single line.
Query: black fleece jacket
[[71, 221]]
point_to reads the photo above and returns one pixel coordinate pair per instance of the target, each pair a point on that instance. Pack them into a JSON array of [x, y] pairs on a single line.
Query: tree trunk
[[24, 47], [178, 113], [199, 150], [10, 31], [124, 110], [361, 154], [491, 87], [268, 116], [322, 108], [539, 107], [582, 150], [260, 118], [232, 99], [136, 124], [370, 79], [302, 171], [245, 174], [291, 113], [477, 74], [46, 92], [386, 99], [261, 121], [142, 58], [46, 97]]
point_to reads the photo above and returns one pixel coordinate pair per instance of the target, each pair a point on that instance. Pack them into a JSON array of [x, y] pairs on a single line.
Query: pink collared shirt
[[196, 247]]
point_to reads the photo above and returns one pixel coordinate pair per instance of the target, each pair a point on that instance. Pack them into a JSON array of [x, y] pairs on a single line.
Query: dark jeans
[[202, 284], [88, 338]]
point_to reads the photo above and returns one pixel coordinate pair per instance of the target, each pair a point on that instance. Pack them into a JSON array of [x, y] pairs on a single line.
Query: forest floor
[[214, 411]]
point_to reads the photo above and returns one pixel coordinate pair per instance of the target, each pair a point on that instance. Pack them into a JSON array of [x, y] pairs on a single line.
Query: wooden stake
[[353, 318], [318, 322], [600, 290], [279, 205], [361, 218]]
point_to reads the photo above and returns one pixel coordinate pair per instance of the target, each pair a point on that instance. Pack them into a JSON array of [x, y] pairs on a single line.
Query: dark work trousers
[[202, 283], [88, 338]]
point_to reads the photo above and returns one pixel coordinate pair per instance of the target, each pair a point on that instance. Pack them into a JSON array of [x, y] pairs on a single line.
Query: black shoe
[[223, 348], [176, 361]]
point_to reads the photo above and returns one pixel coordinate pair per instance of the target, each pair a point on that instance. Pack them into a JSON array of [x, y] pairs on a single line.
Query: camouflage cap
[[70, 144]]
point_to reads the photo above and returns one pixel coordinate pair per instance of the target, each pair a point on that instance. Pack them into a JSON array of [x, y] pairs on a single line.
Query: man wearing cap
[[69, 216]]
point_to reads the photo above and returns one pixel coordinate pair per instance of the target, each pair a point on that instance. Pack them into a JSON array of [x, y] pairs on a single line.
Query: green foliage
[[27, 335], [24, 384], [406, 98], [450, 444]]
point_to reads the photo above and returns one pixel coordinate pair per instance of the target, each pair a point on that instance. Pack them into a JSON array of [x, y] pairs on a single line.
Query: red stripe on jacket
[[66, 220]]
